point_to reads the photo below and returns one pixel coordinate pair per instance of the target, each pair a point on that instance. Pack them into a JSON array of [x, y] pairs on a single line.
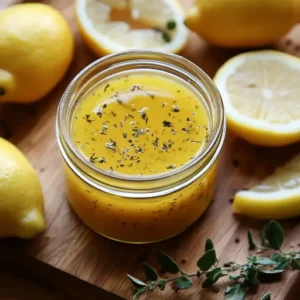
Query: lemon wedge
[[110, 26], [261, 94], [277, 197]]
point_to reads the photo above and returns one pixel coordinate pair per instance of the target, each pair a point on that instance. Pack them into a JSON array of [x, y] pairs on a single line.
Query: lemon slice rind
[[277, 197], [257, 131], [107, 37]]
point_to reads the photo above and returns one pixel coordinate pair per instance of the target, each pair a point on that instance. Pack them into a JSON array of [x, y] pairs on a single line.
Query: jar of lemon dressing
[[140, 133]]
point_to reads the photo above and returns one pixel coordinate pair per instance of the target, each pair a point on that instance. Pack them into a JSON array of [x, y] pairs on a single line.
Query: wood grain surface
[[26, 278], [70, 246]]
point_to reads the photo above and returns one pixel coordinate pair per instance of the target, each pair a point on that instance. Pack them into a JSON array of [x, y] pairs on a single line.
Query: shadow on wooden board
[[23, 278]]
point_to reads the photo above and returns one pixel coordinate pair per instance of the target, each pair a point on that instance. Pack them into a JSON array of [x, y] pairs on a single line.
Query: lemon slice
[[115, 25], [277, 197], [261, 94]]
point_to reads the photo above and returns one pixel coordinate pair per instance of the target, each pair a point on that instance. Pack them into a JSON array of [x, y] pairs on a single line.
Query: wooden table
[[70, 246]]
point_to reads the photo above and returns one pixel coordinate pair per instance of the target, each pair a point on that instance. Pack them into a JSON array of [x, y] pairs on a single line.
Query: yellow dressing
[[174, 129], [140, 124], [140, 220]]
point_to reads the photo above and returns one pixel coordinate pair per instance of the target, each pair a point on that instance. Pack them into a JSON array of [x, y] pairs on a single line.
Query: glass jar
[[131, 209]]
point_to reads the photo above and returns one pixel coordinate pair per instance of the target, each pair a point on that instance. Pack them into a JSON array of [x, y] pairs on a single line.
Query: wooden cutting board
[[70, 246]]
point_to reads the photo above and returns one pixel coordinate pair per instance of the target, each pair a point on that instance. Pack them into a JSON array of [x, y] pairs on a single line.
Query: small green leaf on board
[[150, 272], [207, 260], [183, 283], [167, 263]]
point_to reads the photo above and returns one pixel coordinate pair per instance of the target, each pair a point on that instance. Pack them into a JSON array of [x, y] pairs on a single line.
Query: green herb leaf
[[215, 274], [136, 282], [111, 146], [183, 283], [237, 292], [138, 293], [166, 37], [207, 283], [251, 242], [282, 264], [150, 272], [252, 276], [212, 277], [266, 296], [275, 235], [93, 158], [167, 263], [209, 245], [167, 123], [270, 272], [171, 25], [207, 260], [295, 265], [277, 257], [263, 238], [265, 261]]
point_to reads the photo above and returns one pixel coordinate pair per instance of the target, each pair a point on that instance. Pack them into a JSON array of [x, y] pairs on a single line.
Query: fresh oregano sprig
[[246, 276]]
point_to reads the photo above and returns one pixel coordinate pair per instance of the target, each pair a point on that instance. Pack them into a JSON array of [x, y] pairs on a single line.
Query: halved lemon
[[277, 197], [110, 26], [261, 94]]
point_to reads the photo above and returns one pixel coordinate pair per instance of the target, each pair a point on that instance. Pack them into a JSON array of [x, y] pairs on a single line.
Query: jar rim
[[217, 135]]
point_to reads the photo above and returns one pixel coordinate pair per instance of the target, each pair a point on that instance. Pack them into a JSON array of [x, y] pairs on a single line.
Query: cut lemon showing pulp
[[261, 94], [277, 197], [115, 25]]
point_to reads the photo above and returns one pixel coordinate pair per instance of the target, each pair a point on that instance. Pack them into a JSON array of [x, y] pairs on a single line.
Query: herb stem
[[185, 274], [262, 249], [235, 267]]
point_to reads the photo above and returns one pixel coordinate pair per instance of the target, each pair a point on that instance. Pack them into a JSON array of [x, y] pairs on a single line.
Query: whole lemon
[[21, 198], [243, 23], [36, 48]]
